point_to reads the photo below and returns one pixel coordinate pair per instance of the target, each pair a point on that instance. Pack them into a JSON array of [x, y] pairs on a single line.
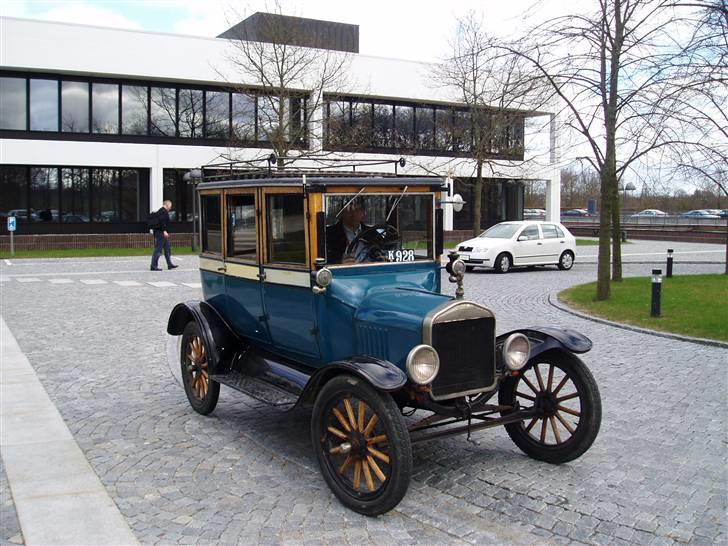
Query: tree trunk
[[603, 286], [477, 198], [616, 234]]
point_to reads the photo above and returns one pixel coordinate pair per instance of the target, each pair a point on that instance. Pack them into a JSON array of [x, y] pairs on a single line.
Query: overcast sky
[[406, 29]]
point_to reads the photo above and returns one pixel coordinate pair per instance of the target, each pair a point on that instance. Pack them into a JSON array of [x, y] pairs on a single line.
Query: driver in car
[[339, 236]]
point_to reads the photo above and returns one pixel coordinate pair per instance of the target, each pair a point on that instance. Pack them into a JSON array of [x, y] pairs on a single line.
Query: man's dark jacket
[[336, 242], [163, 225]]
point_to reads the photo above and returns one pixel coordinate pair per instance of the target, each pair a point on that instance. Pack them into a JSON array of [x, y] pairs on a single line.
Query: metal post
[[668, 273], [656, 292], [12, 243]]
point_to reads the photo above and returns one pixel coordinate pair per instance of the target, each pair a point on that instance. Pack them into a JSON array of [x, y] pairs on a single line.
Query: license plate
[[464, 256]]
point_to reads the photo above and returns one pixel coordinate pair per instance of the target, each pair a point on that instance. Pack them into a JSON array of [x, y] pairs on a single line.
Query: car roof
[[319, 181]]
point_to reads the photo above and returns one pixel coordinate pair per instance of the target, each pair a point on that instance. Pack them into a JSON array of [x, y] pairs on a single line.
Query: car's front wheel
[[503, 263], [202, 392], [564, 398], [362, 445], [566, 261]]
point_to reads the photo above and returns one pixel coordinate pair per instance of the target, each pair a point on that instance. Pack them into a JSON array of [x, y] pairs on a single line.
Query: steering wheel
[[376, 240]]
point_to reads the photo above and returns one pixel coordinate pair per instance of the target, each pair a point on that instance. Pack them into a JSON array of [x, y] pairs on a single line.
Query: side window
[[211, 225], [241, 232], [550, 231], [530, 233], [286, 229]]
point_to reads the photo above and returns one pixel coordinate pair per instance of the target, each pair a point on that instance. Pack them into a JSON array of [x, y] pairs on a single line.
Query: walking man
[[161, 238]]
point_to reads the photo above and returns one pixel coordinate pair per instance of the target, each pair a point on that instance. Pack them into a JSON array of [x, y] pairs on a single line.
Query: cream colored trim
[[208, 264], [243, 271], [288, 277]]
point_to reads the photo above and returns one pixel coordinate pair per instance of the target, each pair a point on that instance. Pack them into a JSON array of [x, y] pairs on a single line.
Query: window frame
[[264, 228], [203, 225], [256, 204]]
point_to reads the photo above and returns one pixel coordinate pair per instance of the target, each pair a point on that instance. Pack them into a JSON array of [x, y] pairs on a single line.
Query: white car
[[650, 213], [512, 244]]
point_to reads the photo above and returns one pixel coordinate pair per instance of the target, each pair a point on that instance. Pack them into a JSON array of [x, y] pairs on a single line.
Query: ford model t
[[324, 291]]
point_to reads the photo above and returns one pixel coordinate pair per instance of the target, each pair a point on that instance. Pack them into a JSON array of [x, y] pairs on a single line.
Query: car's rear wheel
[[202, 392], [568, 409], [566, 261], [362, 445], [503, 263]]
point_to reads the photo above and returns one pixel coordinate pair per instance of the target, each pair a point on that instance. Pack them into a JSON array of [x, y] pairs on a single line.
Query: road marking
[[193, 284], [8, 262], [75, 273], [676, 253], [93, 281], [162, 284], [127, 283], [29, 279], [60, 281]]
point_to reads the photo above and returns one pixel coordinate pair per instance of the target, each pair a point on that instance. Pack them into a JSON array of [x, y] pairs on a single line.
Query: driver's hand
[[348, 259]]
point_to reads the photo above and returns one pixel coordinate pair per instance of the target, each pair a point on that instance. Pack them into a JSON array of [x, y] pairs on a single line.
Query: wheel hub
[[546, 403], [358, 444]]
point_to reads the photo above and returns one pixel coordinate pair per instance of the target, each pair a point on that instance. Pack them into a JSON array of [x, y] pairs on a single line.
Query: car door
[[528, 247], [286, 278], [554, 242], [212, 262], [244, 299]]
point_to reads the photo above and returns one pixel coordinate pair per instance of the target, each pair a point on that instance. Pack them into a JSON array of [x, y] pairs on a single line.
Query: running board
[[258, 389]]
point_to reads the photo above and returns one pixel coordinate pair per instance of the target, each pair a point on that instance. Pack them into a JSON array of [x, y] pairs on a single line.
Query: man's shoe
[[172, 266], [155, 268]]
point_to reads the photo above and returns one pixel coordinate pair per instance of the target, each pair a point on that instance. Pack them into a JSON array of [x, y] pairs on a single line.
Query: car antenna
[[350, 201]]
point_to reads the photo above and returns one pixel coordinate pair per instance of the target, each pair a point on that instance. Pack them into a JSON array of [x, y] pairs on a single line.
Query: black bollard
[[656, 292], [668, 273]]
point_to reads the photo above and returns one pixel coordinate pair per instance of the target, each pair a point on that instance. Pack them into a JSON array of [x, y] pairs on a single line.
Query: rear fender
[[221, 342], [544, 338], [381, 374]]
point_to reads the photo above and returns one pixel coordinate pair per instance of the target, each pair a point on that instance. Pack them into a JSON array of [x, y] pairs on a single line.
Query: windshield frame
[[399, 195]]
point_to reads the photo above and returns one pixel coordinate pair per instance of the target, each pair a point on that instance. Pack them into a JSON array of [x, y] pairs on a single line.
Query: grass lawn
[[91, 252], [693, 305]]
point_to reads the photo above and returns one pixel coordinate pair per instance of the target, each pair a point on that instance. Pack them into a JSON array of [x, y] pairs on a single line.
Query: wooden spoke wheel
[[202, 392], [565, 397], [362, 445]]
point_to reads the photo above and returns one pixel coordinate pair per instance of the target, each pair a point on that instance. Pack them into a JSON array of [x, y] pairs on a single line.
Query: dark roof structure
[[296, 31]]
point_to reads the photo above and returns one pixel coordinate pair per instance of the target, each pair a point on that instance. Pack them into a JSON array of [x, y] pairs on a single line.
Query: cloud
[[71, 12]]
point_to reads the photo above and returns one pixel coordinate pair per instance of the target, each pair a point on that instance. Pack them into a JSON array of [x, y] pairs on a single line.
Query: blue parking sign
[[12, 223]]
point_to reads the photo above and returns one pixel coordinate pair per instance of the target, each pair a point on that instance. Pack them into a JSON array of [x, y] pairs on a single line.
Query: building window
[[74, 107], [242, 235], [217, 114], [243, 117], [105, 108], [425, 133], [14, 192], [404, 127], [190, 113], [134, 109], [43, 105], [13, 104], [130, 192], [75, 195], [44, 193], [163, 117], [180, 192]]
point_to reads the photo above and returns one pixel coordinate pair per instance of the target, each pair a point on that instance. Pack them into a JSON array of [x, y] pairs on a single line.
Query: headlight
[[323, 277], [422, 364], [458, 267], [516, 351]]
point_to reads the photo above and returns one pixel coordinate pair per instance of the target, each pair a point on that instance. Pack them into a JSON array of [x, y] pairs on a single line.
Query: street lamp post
[[194, 176]]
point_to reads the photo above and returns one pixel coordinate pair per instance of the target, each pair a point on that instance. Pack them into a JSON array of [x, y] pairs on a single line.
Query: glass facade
[[105, 108], [13, 104], [134, 110], [73, 195], [44, 105], [180, 192], [74, 107]]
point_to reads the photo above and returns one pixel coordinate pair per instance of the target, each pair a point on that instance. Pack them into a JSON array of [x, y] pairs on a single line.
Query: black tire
[[503, 263], [566, 260], [469, 268], [202, 392], [372, 474], [569, 405]]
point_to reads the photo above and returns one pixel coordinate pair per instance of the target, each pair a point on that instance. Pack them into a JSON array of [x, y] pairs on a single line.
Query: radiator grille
[[467, 356]]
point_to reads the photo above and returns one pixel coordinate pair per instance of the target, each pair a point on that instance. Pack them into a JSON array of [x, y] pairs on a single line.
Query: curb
[[553, 300]]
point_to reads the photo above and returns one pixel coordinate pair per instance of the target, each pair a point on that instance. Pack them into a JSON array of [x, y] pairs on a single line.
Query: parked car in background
[[575, 212], [534, 213], [723, 213], [513, 244], [649, 213], [23, 214], [698, 213]]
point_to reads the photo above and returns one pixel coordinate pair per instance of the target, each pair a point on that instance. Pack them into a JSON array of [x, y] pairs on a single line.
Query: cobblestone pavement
[[246, 474]]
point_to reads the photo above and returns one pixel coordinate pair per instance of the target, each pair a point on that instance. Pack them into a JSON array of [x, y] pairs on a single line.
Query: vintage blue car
[[323, 290]]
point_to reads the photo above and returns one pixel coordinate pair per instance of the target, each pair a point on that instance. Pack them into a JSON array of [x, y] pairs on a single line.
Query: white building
[[96, 127]]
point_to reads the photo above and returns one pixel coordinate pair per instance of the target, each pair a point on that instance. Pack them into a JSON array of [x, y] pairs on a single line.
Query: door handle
[[539, 244], [223, 268], [261, 276]]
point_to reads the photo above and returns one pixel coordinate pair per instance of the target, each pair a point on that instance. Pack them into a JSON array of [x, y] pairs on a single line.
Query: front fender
[[220, 341], [381, 374], [544, 338]]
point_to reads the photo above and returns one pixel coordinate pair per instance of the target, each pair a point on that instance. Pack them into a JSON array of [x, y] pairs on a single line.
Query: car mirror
[[522, 238]]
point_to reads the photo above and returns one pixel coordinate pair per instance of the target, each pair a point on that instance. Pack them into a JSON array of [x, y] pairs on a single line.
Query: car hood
[[482, 242]]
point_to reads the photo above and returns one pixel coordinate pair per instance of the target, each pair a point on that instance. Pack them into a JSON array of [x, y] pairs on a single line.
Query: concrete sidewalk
[[58, 497]]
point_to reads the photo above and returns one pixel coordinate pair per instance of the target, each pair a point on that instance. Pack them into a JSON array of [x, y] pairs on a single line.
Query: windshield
[[369, 228], [500, 231]]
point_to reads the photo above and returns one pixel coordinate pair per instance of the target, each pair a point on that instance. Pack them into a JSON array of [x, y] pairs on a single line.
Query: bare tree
[[282, 99], [608, 68], [495, 89]]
